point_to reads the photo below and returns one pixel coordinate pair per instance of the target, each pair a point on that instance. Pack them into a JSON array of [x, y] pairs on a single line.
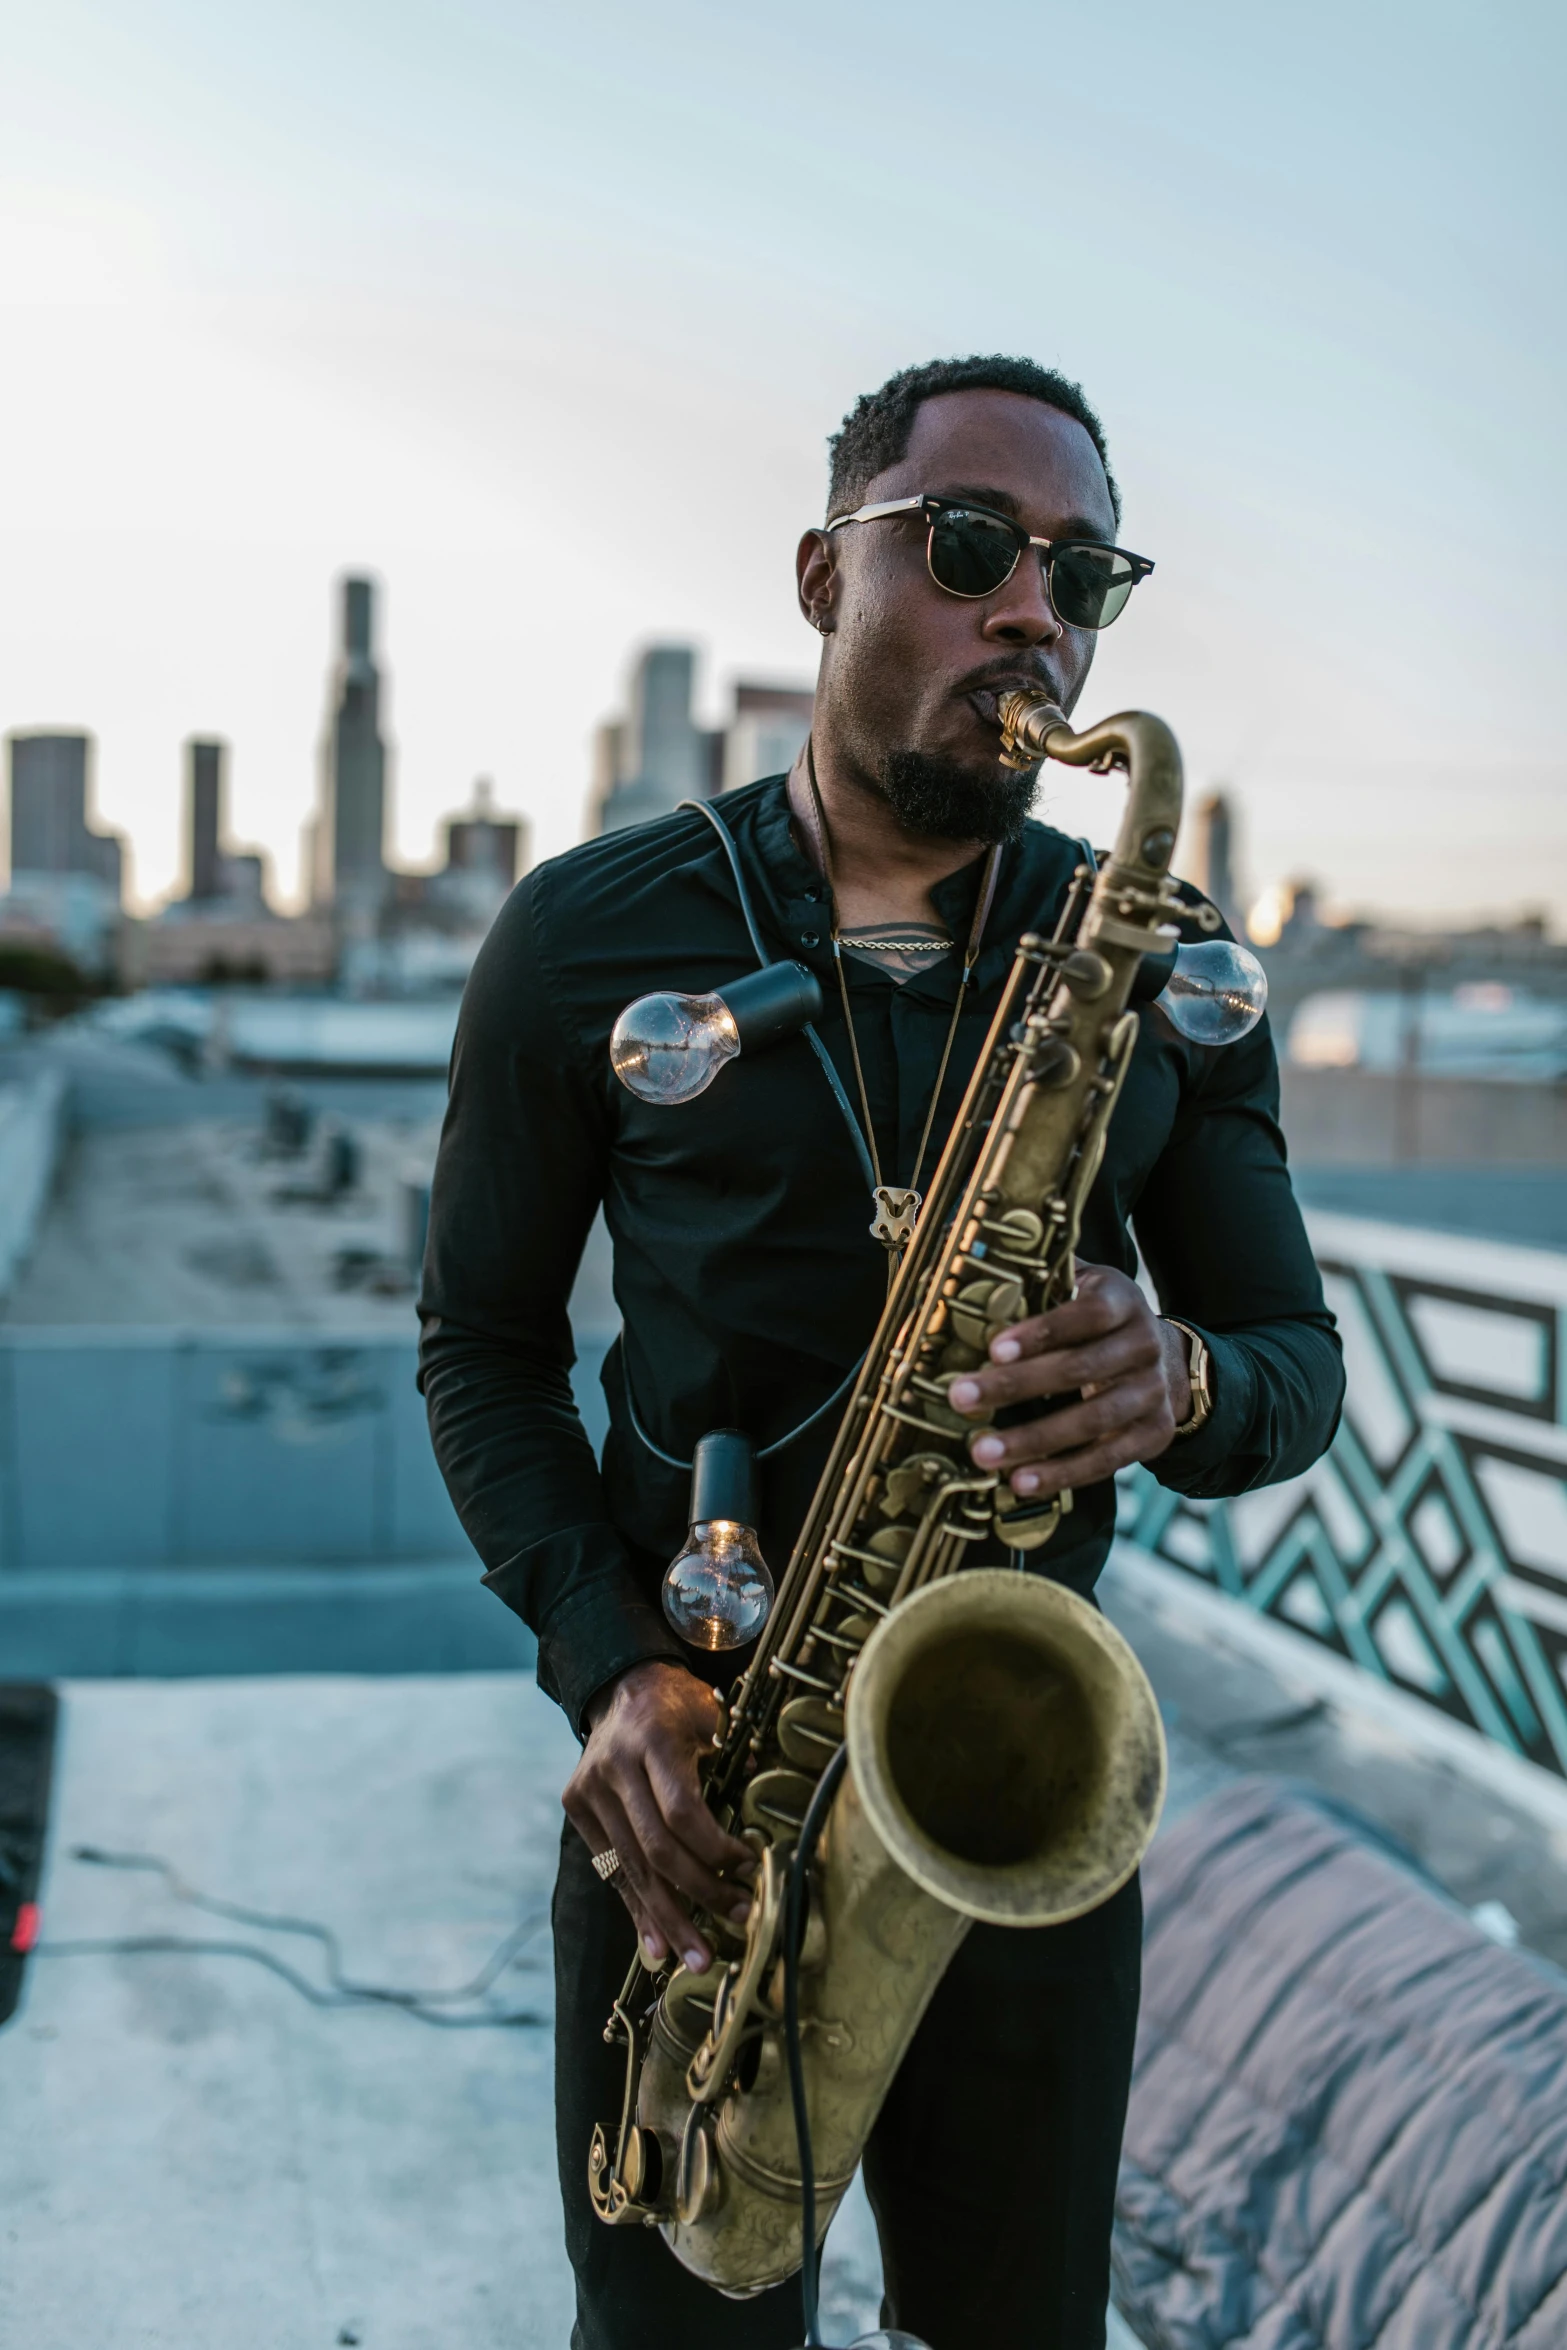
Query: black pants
[[991, 2170]]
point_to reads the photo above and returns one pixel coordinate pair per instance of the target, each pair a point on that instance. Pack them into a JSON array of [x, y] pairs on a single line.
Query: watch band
[[1198, 1371]]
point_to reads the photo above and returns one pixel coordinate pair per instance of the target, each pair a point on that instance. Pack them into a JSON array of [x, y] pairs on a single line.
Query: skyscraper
[[657, 755], [204, 819], [1213, 860], [49, 828], [350, 831]]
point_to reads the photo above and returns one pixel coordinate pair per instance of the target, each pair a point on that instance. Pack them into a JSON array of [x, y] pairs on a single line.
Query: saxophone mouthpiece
[[1027, 723]]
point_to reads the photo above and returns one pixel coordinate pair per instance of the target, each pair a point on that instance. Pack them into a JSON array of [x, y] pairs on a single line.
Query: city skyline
[[473, 308]]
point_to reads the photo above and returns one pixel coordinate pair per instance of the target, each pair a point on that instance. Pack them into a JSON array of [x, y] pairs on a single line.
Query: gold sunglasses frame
[[934, 507]]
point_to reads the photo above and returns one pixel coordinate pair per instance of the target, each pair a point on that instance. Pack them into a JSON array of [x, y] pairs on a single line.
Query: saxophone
[[1005, 1754]]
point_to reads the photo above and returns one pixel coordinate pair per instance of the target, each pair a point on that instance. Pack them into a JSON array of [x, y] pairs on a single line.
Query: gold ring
[[607, 1863]]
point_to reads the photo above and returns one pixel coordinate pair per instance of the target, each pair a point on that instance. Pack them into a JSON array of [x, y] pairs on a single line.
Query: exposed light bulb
[[668, 1048], [718, 1593], [1217, 992]]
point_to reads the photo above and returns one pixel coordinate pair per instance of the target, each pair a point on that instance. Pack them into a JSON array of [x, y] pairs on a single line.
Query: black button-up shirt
[[745, 1273]]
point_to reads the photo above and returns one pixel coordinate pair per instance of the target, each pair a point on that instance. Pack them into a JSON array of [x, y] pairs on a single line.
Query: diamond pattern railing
[[1429, 1546]]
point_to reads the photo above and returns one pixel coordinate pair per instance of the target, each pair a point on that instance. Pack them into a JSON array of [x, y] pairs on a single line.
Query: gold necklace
[[896, 1206]]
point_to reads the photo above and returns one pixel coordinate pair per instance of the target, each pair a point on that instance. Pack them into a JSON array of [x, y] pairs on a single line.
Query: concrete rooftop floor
[[190, 1223], [192, 2153]]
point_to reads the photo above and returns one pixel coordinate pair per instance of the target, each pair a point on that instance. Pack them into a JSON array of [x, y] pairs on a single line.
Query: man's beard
[[944, 801]]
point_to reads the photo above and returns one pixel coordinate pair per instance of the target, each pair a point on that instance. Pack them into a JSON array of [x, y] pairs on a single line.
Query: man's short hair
[[875, 433]]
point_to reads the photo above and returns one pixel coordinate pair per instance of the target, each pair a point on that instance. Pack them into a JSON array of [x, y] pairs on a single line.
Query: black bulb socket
[[1154, 973], [723, 1478], [767, 1006]]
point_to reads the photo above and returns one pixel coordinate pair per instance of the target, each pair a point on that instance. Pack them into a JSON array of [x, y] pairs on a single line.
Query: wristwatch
[[1199, 1372]]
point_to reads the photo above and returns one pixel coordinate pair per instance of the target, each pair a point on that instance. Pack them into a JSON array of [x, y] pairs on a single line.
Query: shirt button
[[810, 938]]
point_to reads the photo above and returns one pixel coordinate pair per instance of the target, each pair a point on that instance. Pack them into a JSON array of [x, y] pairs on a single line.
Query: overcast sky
[[543, 315]]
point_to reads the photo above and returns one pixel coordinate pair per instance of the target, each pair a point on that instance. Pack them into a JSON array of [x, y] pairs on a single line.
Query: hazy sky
[[543, 314]]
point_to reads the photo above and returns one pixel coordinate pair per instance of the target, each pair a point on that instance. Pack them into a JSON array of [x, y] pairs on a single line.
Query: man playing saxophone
[[969, 551]]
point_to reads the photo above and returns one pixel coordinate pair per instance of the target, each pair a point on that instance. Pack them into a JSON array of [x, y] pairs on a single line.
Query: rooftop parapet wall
[[31, 1117], [136, 1448], [1368, 1118]]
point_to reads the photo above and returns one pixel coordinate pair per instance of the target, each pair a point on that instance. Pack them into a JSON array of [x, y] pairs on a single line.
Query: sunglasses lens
[[971, 554], [1089, 585]]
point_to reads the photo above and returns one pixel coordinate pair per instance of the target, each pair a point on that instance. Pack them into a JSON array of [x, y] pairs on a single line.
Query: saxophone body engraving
[[1006, 1759]]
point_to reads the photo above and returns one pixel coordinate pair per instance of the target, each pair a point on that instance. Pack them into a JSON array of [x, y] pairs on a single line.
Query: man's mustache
[[1003, 675]]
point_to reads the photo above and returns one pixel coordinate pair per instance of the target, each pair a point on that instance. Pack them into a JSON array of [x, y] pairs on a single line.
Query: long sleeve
[[518, 1180], [1222, 1236]]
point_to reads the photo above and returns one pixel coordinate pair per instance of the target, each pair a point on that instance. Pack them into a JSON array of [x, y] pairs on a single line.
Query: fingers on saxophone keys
[[1092, 1466], [1069, 1435], [688, 1818], [660, 1919], [680, 1875], [1085, 1369]]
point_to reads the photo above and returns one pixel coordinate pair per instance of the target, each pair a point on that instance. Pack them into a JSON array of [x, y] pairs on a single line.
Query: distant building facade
[[646, 763], [204, 763], [223, 882], [1212, 862], [66, 876], [483, 841], [764, 736], [349, 841], [49, 828], [657, 755], [236, 948]]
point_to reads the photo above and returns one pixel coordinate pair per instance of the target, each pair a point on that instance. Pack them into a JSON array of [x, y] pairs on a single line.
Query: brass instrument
[[1006, 1759]]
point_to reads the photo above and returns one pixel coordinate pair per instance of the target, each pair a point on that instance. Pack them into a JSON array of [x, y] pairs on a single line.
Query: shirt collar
[[792, 901]]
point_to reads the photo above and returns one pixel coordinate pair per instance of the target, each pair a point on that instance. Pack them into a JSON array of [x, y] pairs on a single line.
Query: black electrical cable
[[794, 1926], [343, 1990]]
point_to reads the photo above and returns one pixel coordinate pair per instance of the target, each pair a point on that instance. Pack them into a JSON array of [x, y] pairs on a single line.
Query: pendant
[[893, 1222]]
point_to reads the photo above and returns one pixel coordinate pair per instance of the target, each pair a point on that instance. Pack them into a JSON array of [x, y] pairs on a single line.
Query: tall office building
[[657, 756], [350, 829], [224, 883], [49, 828], [1213, 859], [204, 819]]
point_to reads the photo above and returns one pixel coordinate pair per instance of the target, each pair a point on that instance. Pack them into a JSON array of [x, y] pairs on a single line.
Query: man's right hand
[[638, 1788]]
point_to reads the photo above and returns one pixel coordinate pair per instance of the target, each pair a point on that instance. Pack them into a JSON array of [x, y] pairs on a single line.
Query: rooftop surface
[[195, 2153], [198, 1222]]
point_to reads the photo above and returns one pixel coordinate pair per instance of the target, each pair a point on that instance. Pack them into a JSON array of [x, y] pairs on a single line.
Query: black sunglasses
[[972, 551]]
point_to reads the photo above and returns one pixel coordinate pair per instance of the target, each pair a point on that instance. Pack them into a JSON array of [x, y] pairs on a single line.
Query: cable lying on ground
[[342, 1989]]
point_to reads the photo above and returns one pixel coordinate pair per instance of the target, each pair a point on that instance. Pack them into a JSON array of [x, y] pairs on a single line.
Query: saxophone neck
[[1034, 728]]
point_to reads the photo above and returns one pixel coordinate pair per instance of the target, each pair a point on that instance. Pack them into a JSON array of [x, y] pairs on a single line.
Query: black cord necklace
[[896, 1206]]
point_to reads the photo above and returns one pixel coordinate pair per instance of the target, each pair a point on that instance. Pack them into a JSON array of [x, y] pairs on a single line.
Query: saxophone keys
[[698, 2176], [1003, 1307], [905, 1494], [810, 1731], [777, 1800], [967, 1313], [857, 1628], [981, 1308], [1030, 1525], [1018, 1233]]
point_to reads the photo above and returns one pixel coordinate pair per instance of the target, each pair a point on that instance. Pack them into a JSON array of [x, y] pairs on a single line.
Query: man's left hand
[[1109, 1348]]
